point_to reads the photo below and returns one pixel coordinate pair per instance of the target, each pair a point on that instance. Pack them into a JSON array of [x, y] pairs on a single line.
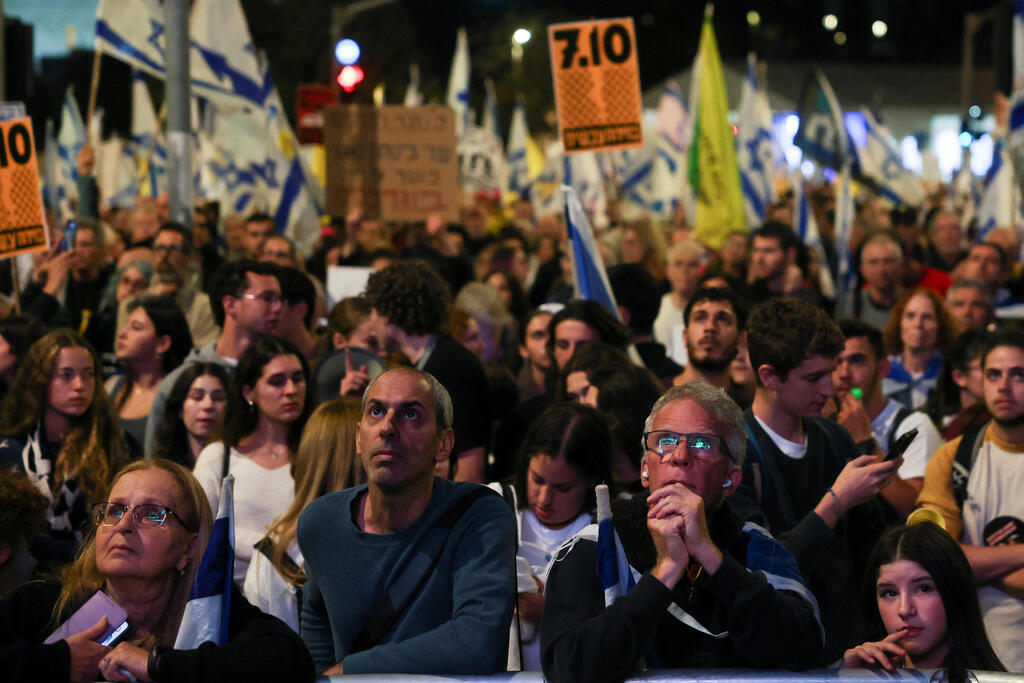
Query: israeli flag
[[590, 280], [805, 225], [518, 165], [822, 133], [70, 140], [209, 603], [996, 206], [754, 147], [1017, 98], [458, 83], [222, 60], [612, 566], [675, 129], [880, 163], [845, 213], [147, 139]]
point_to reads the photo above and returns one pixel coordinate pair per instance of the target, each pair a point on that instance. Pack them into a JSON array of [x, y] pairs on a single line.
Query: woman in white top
[[684, 264], [325, 461], [565, 453], [269, 404]]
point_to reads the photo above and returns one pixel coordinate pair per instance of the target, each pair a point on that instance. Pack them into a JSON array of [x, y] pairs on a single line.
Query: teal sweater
[[459, 621]]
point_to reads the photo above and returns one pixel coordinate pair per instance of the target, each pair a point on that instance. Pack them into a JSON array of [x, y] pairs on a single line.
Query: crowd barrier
[[706, 676]]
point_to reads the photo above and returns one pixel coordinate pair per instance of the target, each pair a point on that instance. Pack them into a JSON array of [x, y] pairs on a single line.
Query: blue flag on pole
[[209, 603], [589, 277]]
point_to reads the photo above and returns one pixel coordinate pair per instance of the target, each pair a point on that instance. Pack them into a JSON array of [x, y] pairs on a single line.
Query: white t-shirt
[[265, 588], [260, 497], [668, 330], [790, 449], [917, 455]]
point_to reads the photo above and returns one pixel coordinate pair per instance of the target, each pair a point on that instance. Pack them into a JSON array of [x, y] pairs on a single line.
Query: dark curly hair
[[411, 295], [784, 332]]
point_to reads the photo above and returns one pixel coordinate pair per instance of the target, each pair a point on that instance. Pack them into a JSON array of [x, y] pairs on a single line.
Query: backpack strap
[[966, 454], [407, 585], [901, 415]]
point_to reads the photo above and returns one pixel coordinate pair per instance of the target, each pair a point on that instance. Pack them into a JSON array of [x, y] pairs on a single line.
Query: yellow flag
[[713, 171]]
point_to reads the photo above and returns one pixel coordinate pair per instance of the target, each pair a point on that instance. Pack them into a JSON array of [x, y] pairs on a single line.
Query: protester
[[325, 461], [363, 543], [919, 331], [348, 327], [60, 429], [153, 342], [958, 400], [532, 378], [193, 414], [971, 305], [270, 402], [715, 324], [22, 518], [580, 322], [150, 535], [127, 282], [919, 594], [564, 455], [17, 335], [881, 266], [711, 592], [975, 481], [683, 265]]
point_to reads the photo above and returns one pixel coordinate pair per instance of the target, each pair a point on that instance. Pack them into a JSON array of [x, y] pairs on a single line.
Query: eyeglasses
[[268, 297], [172, 248], [146, 516], [705, 446]]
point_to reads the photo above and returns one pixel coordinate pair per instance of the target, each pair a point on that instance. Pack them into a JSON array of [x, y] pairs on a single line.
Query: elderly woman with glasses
[[710, 591], [144, 554]]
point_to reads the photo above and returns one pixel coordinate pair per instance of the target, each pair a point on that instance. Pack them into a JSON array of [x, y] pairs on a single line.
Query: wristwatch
[[153, 664]]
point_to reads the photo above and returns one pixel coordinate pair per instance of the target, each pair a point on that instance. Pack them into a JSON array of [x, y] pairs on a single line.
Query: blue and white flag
[[490, 118], [612, 566], [148, 140], [458, 83], [845, 213], [805, 225], [590, 281], [881, 165], [51, 161], [1015, 125], [518, 164], [675, 129], [222, 60], [755, 148], [70, 140], [822, 132], [996, 208], [207, 611]]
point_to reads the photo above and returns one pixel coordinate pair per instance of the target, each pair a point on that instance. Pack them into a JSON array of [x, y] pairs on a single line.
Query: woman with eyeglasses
[[59, 428], [148, 540], [269, 404], [565, 453], [154, 340]]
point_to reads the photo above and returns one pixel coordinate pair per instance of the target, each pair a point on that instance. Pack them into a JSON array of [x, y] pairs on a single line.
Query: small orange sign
[[597, 84], [21, 205]]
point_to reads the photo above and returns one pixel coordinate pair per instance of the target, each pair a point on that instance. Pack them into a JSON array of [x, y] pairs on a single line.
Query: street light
[[521, 36]]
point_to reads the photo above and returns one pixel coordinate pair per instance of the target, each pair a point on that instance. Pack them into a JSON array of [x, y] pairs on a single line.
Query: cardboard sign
[[394, 162], [597, 84], [21, 204]]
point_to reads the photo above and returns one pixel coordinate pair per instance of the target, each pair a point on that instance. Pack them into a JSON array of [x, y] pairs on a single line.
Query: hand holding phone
[[98, 606]]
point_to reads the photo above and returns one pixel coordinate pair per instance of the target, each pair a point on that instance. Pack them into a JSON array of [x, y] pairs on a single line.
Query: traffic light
[[347, 53]]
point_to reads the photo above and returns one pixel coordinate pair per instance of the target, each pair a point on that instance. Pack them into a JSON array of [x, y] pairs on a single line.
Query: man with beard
[[775, 265], [172, 248], [715, 320], [975, 482], [875, 420], [803, 476], [409, 573]]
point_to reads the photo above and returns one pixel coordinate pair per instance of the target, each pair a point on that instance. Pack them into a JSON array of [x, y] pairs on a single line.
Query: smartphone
[[67, 243], [901, 445], [99, 605]]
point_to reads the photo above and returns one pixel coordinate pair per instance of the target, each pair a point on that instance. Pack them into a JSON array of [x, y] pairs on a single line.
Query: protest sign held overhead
[[597, 84], [394, 162], [21, 206]]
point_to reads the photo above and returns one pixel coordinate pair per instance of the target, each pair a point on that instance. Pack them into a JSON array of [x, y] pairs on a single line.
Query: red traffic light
[[349, 77]]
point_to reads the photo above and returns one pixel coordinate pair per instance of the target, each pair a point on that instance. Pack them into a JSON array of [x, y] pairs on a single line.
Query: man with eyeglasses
[[705, 590], [247, 304], [804, 477]]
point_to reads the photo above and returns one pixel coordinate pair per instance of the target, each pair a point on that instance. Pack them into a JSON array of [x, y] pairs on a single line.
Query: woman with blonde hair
[[645, 244], [326, 461], [60, 429], [144, 553]]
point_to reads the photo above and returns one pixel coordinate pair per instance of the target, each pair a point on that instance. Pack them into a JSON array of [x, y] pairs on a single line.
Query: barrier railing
[[708, 676]]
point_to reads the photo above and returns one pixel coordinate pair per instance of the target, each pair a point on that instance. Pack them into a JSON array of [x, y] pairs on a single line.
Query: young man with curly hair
[[411, 305], [803, 476]]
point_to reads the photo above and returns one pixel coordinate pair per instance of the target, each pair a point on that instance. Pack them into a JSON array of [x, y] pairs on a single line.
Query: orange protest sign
[[597, 84], [21, 205]]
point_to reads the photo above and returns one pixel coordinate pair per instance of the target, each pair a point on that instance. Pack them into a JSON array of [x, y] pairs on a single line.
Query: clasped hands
[[677, 522]]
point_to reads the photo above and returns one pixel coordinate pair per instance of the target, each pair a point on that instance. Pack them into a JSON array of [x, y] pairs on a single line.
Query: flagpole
[[178, 114], [94, 86]]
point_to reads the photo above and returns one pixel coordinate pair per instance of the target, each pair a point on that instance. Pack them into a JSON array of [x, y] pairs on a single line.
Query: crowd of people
[[769, 440]]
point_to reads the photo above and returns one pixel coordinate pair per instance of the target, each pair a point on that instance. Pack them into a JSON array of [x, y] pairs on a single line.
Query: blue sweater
[[459, 621]]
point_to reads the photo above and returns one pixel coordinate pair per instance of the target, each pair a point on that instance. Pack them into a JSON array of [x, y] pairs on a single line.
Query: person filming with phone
[[116, 610]]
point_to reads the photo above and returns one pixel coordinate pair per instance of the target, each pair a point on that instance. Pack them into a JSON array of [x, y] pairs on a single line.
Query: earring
[[645, 476], [727, 484], [181, 572], [252, 406]]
